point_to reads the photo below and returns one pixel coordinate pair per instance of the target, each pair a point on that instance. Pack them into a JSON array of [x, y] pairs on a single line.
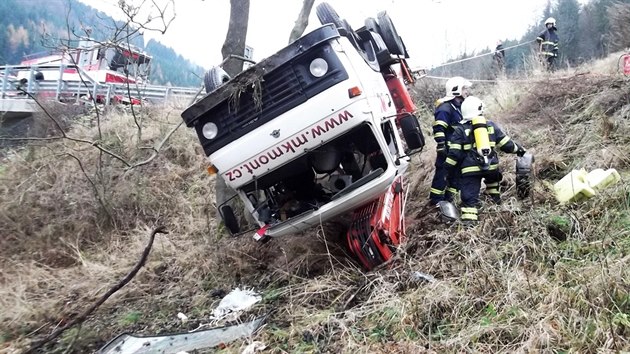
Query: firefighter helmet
[[471, 108], [455, 87], [550, 21]]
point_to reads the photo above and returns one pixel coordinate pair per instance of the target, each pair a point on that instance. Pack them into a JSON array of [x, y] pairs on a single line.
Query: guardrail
[[63, 90]]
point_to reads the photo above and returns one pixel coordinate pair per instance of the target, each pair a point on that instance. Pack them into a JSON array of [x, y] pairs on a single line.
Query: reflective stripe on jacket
[[549, 42], [447, 115], [462, 150]]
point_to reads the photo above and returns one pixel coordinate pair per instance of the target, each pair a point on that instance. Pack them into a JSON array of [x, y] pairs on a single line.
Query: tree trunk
[[234, 44], [236, 35], [302, 20]]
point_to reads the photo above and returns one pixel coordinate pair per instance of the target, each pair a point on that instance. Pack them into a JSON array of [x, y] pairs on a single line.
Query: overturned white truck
[[313, 132]]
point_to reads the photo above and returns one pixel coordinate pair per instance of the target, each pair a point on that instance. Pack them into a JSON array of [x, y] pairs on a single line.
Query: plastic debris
[[182, 317], [579, 184], [180, 343], [254, 347], [236, 301], [417, 276]]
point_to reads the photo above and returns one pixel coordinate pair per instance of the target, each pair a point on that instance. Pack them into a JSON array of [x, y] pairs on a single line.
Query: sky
[[433, 30]]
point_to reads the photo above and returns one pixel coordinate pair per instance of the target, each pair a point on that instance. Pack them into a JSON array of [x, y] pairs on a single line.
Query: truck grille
[[286, 87]]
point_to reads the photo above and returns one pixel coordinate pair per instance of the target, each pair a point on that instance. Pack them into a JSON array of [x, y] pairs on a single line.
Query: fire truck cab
[[314, 131]]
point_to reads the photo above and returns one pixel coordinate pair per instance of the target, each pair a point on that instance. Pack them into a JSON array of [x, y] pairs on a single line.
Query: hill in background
[[28, 29]]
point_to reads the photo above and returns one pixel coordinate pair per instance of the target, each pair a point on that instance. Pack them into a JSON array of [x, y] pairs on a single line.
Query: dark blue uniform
[[447, 116], [464, 160], [549, 40]]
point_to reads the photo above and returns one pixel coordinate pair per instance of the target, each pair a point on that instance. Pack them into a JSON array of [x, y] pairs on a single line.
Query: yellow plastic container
[[599, 179], [573, 187]]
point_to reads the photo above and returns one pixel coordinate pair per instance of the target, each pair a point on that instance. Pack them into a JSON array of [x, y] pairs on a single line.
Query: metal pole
[[109, 95], [59, 81], [167, 94], [5, 81], [94, 91], [31, 78]]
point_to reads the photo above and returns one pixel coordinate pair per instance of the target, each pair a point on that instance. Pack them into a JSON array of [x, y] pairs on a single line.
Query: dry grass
[[533, 277]]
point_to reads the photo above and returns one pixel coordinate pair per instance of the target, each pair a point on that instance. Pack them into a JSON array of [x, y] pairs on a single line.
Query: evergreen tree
[[567, 18]]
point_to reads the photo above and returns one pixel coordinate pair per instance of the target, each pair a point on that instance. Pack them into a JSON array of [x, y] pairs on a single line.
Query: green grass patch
[[130, 318]]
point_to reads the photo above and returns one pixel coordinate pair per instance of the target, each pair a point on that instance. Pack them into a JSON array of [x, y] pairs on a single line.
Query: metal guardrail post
[[108, 99], [31, 78], [59, 82], [167, 94], [5, 81], [94, 91]]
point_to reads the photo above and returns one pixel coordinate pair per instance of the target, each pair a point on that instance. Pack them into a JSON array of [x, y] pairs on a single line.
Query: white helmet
[[551, 21], [471, 108], [455, 86]]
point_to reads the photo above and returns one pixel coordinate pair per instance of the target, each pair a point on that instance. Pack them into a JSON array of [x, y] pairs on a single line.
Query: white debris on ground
[[417, 276], [236, 301], [254, 347], [182, 317]]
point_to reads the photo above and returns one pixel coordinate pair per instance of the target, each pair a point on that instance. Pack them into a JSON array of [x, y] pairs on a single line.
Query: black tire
[[229, 219], [351, 35], [327, 14], [390, 36], [214, 78], [412, 132], [523, 186], [372, 25]]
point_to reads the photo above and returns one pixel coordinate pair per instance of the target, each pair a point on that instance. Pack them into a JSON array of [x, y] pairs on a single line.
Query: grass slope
[[534, 276]]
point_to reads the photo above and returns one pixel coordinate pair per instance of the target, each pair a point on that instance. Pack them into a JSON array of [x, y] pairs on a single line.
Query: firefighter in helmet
[[447, 115], [472, 155], [548, 41]]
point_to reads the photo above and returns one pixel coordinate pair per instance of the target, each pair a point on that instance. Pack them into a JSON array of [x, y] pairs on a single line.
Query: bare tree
[[235, 39], [302, 20], [234, 45]]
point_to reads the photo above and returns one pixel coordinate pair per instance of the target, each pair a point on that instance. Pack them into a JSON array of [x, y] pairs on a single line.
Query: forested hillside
[[35, 29], [586, 32]]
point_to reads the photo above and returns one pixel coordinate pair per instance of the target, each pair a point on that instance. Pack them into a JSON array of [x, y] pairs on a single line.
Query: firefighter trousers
[[470, 187], [444, 185]]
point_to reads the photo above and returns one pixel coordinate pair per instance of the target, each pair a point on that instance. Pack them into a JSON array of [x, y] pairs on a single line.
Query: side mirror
[[229, 219], [411, 131]]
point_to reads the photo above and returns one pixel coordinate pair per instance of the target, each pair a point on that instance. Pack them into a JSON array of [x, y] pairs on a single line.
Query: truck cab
[[310, 133]]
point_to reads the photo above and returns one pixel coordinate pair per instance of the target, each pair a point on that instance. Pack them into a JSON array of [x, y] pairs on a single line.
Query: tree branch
[[81, 318], [156, 150], [65, 136], [97, 193]]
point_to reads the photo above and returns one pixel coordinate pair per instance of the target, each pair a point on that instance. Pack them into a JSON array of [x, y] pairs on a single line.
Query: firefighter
[[548, 41], [447, 115], [499, 58], [472, 154]]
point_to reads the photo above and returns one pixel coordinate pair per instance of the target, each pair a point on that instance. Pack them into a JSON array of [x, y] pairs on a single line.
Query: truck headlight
[[210, 130], [318, 67]]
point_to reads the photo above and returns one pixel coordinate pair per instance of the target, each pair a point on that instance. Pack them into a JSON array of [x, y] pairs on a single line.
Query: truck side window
[[390, 138]]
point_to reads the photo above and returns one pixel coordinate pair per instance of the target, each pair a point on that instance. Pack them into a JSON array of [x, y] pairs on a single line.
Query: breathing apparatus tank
[[472, 110], [482, 140]]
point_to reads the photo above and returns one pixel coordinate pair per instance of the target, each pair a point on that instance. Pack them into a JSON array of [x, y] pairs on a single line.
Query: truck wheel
[[214, 78], [351, 35], [229, 219], [326, 14], [390, 36], [372, 25]]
